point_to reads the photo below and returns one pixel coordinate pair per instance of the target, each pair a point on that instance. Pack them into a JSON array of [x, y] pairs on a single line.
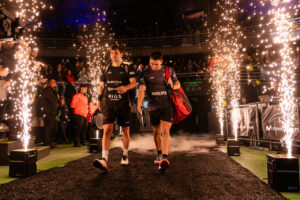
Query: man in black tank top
[[114, 102], [154, 82]]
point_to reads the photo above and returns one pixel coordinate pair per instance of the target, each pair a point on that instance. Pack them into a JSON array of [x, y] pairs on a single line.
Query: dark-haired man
[[50, 109], [116, 79], [160, 105]]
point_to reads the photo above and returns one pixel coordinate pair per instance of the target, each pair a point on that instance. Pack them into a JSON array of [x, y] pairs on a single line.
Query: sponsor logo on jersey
[[114, 81], [159, 93], [109, 89], [115, 96]]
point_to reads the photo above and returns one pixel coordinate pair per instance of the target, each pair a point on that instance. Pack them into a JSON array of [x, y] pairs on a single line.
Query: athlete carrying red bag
[[182, 106]]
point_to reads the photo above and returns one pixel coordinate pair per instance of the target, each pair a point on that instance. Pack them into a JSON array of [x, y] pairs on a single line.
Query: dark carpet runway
[[209, 175]]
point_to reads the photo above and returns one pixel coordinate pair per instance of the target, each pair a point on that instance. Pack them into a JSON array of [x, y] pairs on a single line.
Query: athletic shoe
[[125, 161], [101, 164], [158, 159], [163, 165]]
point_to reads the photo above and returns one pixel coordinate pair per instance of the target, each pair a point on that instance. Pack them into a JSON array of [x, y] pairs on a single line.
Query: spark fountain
[[23, 161], [226, 45], [283, 170], [94, 44], [23, 86], [219, 81], [278, 179]]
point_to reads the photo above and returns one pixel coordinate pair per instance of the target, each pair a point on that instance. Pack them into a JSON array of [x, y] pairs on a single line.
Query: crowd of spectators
[[75, 105], [123, 31], [59, 30], [257, 73], [184, 27]]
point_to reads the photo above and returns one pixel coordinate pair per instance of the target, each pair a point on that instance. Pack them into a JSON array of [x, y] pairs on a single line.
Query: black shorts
[[111, 113], [164, 114]]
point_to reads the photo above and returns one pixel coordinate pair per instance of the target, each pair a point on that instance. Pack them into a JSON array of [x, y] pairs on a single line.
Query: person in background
[[51, 103], [249, 93], [82, 76], [60, 80], [70, 77], [63, 120], [50, 74], [92, 108], [138, 72], [80, 106], [4, 84], [146, 67]]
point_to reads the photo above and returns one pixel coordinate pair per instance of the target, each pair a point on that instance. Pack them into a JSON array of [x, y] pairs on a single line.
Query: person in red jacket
[[70, 77], [80, 106]]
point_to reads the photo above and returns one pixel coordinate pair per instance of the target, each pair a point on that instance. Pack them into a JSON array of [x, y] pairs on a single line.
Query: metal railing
[[181, 40]]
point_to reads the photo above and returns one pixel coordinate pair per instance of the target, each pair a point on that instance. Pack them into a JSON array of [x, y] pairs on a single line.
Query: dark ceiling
[[132, 11]]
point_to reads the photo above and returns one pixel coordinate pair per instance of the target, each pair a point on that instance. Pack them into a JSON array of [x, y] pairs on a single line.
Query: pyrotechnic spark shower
[[226, 46], [95, 43], [23, 87], [280, 28], [219, 81], [282, 19]]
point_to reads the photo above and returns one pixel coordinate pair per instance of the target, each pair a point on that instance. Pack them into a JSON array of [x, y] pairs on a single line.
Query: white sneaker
[[125, 161], [158, 159]]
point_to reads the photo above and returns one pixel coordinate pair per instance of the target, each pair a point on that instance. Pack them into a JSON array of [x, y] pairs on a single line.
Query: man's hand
[[170, 82], [139, 109], [122, 89], [99, 107], [6, 84]]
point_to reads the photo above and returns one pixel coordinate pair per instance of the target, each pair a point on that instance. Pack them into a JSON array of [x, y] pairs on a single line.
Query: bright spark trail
[[219, 81], [23, 86], [226, 45], [280, 29], [282, 19], [94, 42]]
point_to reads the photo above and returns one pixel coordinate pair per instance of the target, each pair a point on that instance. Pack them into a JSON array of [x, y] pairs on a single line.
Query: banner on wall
[[271, 125], [247, 124]]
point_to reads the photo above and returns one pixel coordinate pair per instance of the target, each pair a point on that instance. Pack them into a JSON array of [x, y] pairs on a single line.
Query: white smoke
[[192, 144]]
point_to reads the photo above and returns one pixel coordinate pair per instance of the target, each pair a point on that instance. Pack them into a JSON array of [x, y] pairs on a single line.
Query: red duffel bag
[[182, 105]]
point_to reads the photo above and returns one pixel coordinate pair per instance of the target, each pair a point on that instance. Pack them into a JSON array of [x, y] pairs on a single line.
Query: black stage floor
[[206, 175]]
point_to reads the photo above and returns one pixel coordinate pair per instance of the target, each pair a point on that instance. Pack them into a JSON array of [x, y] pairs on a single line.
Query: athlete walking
[[114, 102], [161, 111]]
